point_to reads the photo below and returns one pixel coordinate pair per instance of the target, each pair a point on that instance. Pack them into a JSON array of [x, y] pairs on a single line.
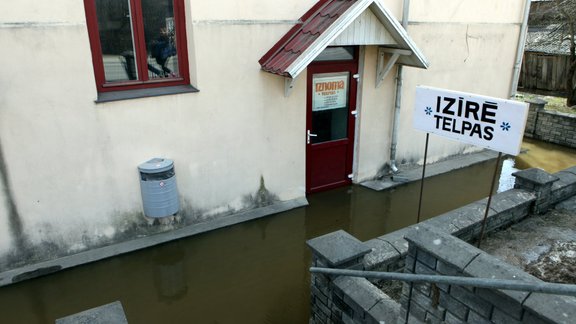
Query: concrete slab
[[536, 176], [568, 205], [396, 239], [487, 266], [552, 308], [386, 311], [414, 173], [112, 313], [381, 250], [359, 292], [338, 247], [450, 249]]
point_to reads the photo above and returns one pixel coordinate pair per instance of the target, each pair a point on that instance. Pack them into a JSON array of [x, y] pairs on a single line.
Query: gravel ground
[[542, 245]]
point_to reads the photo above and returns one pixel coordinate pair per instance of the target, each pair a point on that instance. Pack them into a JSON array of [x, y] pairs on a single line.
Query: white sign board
[[330, 91], [496, 124]]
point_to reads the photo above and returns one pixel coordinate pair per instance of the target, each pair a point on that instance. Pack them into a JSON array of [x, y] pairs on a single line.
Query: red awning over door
[[322, 24]]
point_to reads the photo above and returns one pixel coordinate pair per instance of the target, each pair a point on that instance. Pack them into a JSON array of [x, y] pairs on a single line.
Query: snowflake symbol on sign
[[505, 126], [428, 111]]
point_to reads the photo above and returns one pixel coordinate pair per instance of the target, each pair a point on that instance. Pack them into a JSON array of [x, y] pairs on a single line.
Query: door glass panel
[[329, 106]]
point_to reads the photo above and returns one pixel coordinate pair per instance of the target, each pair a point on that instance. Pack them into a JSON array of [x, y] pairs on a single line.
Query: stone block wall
[[536, 191], [433, 252], [534, 108], [565, 187], [345, 299], [550, 126], [389, 250], [357, 300], [541, 183]]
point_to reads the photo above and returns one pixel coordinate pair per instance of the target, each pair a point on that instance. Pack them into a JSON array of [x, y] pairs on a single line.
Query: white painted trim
[[381, 70], [417, 59], [288, 86], [395, 51], [327, 37], [356, 150], [366, 29], [421, 60]]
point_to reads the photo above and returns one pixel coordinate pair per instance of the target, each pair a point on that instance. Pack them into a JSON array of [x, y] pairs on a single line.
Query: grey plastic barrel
[[158, 186]]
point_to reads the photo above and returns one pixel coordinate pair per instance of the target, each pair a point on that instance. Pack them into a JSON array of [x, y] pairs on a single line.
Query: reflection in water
[[506, 179], [255, 272], [170, 272]]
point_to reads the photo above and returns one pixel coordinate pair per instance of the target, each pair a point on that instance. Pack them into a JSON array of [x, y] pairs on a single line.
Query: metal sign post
[[489, 199], [423, 176]]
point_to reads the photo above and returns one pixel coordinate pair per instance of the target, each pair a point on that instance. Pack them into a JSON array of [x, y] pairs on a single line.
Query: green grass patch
[[554, 103]]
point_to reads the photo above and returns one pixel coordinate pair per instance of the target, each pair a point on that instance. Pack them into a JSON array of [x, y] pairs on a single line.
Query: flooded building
[[255, 102]]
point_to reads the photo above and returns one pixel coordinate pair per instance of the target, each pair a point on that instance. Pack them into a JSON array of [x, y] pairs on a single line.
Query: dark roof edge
[[291, 33]]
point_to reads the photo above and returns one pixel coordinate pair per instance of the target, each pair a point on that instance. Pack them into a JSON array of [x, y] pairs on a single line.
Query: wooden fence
[[545, 72]]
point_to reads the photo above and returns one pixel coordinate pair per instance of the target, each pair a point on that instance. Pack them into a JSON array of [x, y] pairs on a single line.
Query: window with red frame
[[137, 44]]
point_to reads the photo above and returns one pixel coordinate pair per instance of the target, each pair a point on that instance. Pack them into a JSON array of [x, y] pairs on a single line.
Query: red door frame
[[331, 67]]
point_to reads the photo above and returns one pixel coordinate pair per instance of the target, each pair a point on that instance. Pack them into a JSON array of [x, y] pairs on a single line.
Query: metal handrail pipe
[[490, 283]]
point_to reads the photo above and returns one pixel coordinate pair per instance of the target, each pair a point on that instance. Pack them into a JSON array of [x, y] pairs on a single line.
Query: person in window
[[161, 49]]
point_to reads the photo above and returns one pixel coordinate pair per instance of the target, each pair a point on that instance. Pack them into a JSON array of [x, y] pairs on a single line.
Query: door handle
[[309, 135]]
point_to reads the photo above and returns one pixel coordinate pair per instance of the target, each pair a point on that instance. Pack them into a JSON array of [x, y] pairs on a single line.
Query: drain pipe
[[520, 51], [398, 101]]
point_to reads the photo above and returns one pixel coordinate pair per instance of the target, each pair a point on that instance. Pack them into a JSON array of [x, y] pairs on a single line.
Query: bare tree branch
[[553, 25]]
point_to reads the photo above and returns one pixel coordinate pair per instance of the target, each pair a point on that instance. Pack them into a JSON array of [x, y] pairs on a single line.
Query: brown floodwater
[[254, 272], [549, 157]]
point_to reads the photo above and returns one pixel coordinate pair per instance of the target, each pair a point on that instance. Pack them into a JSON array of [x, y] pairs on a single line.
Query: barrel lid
[[156, 165]]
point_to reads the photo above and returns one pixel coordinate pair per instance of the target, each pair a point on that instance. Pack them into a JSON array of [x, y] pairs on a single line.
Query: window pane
[[340, 53], [160, 37], [330, 106], [116, 40], [329, 125]]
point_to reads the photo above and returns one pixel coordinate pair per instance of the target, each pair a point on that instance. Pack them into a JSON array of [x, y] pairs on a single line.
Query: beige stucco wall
[[471, 47], [467, 11], [31, 12], [471, 58], [249, 10], [375, 118], [5, 236], [73, 163]]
